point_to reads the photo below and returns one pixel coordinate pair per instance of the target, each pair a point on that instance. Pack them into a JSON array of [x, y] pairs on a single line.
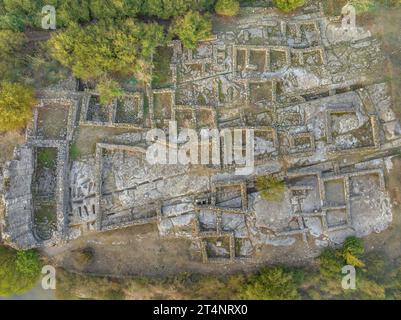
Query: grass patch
[[270, 188], [74, 152], [161, 67], [220, 89], [47, 157]]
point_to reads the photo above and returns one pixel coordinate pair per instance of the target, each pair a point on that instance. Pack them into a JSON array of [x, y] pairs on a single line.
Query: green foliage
[[352, 249], [11, 58], [209, 287], [367, 289], [220, 91], [161, 66], [330, 263], [42, 69], [47, 157], [166, 9], [73, 11], [108, 90], [17, 15], [271, 284], [19, 271], [108, 49], [288, 5], [227, 8], [331, 260], [268, 283], [74, 152], [192, 28], [370, 282], [28, 263], [16, 103], [375, 266], [270, 188], [363, 5]]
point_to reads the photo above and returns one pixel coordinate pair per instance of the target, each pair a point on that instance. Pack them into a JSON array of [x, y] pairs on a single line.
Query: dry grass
[[8, 141]]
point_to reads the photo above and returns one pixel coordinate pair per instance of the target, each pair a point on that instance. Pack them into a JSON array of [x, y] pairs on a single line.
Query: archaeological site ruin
[[323, 124]]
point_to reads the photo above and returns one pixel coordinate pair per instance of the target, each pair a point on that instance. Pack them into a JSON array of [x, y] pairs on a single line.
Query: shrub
[[108, 90], [42, 69], [227, 8], [212, 287], [28, 263], [288, 5], [270, 188], [331, 263], [108, 49], [352, 249], [271, 284], [17, 15], [192, 28], [19, 271], [16, 103], [363, 5], [11, 60], [166, 9]]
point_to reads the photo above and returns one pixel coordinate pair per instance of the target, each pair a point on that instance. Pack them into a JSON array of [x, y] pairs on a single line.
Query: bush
[[212, 287], [108, 49], [271, 284], [11, 60], [42, 69], [363, 5], [17, 15], [352, 249], [192, 28], [19, 271], [330, 263], [166, 9], [288, 5], [227, 8], [16, 103], [108, 90], [270, 188]]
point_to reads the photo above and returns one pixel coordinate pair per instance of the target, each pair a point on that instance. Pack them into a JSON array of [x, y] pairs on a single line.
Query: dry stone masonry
[[322, 120]]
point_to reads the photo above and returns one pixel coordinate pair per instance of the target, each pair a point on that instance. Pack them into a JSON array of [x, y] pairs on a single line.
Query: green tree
[[19, 271], [108, 49], [167, 9], [288, 5], [192, 28], [272, 284], [11, 54], [17, 15], [352, 249], [331, 263], [16, 103], [270, 188], [227, 8], [69, 11], [114, 9]]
